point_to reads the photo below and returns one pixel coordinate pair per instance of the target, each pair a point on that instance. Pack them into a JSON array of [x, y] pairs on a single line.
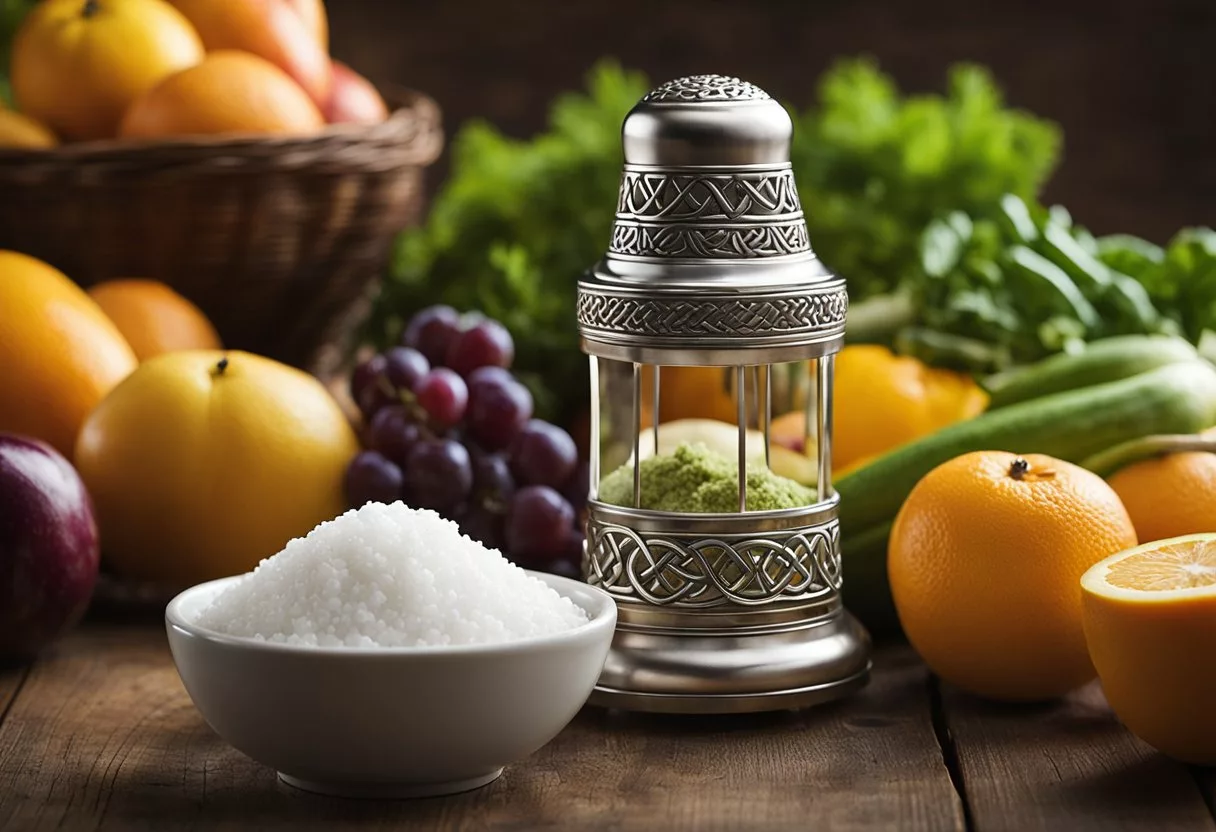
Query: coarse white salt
[[389, 576]]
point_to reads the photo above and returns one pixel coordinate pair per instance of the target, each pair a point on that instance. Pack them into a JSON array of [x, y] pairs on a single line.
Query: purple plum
[[49, 554]]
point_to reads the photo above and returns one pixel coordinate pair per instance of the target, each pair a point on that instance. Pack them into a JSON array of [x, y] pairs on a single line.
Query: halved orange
[[1150, 623]]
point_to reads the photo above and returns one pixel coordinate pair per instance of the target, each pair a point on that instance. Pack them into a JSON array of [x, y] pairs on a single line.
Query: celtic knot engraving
[[709, 242], [694, 572], [731, 197], [719, 318], [706, 88]]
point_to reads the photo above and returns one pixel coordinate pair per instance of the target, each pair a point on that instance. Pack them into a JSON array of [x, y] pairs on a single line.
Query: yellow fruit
[[59, 351], [17, 130], [1169, 496], [984, 560], [1150, 621], [78, 64], [229, 92], [202, 463], [153, 318], [883, 400]]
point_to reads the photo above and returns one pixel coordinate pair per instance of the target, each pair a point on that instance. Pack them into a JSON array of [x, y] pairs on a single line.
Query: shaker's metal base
[[781, 700], [768, 669]]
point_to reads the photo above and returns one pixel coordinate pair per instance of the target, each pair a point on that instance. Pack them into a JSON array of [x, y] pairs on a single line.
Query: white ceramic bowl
[[400, 722]]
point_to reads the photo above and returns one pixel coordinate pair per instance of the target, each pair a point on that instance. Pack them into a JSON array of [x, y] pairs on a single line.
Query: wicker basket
[[277, 240]]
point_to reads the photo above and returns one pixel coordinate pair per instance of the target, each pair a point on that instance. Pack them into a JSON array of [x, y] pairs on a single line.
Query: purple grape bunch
[[448, 427]]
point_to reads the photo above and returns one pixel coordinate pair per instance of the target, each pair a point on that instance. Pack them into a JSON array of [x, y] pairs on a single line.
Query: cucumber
[[1108, 359], [1176, 399]]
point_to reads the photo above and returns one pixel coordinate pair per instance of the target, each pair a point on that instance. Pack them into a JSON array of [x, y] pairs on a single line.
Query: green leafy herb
[[12, 12], [518, 221]]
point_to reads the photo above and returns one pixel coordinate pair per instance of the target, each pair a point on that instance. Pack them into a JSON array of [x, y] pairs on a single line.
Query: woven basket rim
[[409, 107]]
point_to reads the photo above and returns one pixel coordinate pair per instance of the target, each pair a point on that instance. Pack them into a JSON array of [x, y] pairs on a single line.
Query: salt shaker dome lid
[[706, 121], [709, 260]]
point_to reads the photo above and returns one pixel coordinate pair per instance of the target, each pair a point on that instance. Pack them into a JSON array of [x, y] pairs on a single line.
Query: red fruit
[[353, 99], [49, 554]]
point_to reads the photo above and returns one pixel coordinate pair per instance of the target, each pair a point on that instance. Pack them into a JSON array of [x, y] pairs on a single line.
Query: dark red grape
[[498, 410], [392, 432], [481, 374], [371, 478], [574, 547], [443, 395], [404, 367], [438, 474], [543, 454], [484, 526], [485, 344], [432, 332], [493, 485], [577, 487], [538, 523], [365, 374], [370, 389]]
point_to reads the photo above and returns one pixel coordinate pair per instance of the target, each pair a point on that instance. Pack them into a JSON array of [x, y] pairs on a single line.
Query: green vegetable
[[12, 12], [1178, 398], [694, 479], [1108, 359], [513, 228], [517, 222], [1111, 460]]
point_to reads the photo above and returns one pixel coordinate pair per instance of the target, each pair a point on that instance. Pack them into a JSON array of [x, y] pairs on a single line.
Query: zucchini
[[1175, 399], [1108, 359]]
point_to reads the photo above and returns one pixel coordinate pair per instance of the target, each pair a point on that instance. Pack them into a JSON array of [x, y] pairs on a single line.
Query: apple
[[353, 99], [49, 553]]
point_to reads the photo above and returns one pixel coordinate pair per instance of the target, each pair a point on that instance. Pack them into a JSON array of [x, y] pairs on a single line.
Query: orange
[[1170, 495], [1150, 622], [201, 463], [59, 351], [694, 393], [154, 318], [283, 32], [883, 400], [77, 65], [984, 560], [229, 92], [17, 130], [312, 12]]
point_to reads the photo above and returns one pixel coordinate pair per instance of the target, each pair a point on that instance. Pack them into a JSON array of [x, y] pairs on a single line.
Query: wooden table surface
[[100, 734]]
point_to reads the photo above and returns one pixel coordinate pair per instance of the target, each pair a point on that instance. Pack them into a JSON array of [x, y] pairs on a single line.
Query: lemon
[[201, 463]]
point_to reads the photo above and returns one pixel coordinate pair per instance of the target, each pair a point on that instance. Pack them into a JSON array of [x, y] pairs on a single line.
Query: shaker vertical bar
[[824, 425], [768, 414], [655, 415], [637, 435], [596, 449], [741, 395]]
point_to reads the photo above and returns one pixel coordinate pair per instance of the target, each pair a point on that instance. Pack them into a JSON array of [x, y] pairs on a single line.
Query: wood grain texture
[[11, 680], [103, 736], [1069, 766]]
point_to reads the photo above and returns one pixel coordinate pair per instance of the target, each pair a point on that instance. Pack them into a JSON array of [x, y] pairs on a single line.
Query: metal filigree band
[[684, 197], [706, 88], [820, 314], [693, 572], [750, 241]]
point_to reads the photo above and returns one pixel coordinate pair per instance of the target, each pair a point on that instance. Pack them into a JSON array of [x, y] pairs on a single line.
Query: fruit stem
[[220, 366], [91, 7], [1019, 468]]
